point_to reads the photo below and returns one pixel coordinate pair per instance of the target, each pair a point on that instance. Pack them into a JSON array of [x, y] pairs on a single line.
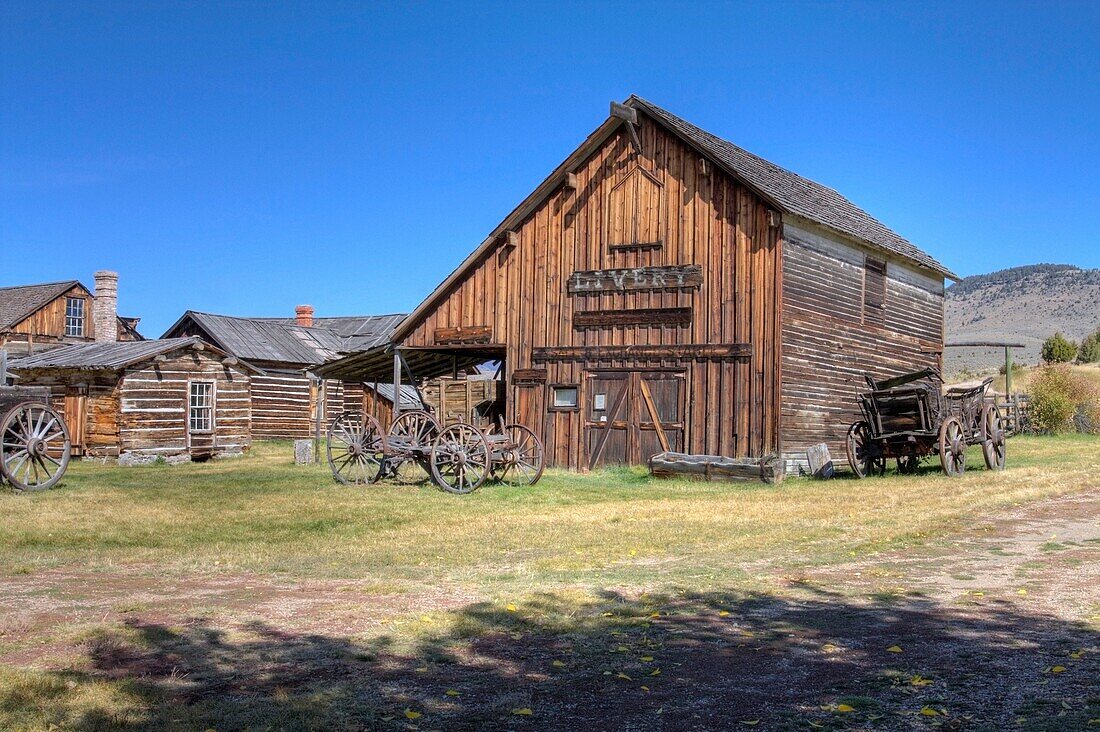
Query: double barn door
[[632, 415]]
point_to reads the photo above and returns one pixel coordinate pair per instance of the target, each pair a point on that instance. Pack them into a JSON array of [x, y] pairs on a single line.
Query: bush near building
[[1063, 400]]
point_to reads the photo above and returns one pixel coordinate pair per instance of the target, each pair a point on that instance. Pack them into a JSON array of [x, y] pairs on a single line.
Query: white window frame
[[74, 324], [208, 407]]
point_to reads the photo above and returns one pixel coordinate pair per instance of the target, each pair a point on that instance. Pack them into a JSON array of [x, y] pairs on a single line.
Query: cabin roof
[[17, 303], [112, 356], [280, 340], [783, 189], [410, 398], [792, 192]]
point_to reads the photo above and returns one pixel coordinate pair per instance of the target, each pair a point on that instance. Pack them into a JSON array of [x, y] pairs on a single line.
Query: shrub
[[1057, 349], [1062, 400], [1089, 352]]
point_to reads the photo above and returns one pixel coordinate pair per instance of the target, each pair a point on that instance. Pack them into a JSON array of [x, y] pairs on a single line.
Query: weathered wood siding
[[833, 334], [45, 328], [456, 400], [153, 412], [697, 216], [283, 405]]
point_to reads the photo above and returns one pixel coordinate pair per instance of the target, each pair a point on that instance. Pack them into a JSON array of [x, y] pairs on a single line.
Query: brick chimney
[[105, 309], [303, 315]]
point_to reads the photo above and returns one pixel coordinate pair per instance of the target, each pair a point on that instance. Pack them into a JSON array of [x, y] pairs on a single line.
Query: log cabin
[[179, 399], [38, 317], [664, 289], [285, 396]]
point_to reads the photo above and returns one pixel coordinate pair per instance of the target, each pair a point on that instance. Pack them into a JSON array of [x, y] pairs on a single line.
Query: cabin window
[[564, 397], [874, 291], [201, 406], [74, 316]]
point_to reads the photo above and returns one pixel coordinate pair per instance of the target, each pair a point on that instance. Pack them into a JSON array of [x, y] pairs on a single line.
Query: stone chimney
[[303, 315], [106, 306]]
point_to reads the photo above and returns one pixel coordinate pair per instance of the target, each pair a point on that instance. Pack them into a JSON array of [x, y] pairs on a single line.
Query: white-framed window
[[74, 316], [200, 412], [564, 397]]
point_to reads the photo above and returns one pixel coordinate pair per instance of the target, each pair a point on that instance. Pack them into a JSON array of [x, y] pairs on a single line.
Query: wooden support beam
[[463, 334], [683, 352], [629, 116], [654, 317], [397, 360], [571, 181]]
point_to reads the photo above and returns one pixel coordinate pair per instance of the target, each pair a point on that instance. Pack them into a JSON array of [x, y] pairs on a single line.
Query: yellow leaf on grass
[[817, 725], [608, 615], [511, 608], [1076, 654], [1057, 669], [452, 692], [421, 669], [633, 552], [750, 722], [929, 712], [655, 672], [621, 649], [557, 664], [1021, 591], [845, 708], [829, 648], [647, 659], [894, 649], [523, 712], [621, 675], [919, 680], [410, 714], [723, 613]]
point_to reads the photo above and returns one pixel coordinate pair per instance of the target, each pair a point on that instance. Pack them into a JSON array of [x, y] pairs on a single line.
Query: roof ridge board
[[42, 284]]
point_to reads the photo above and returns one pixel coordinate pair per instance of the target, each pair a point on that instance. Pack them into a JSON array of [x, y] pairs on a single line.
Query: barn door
[[659, 426], [76, 417], [632, 415], [607, 419]]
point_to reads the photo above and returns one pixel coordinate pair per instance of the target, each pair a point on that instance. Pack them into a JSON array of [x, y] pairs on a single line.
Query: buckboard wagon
[[34, 440], [912, 416], [458, 458]]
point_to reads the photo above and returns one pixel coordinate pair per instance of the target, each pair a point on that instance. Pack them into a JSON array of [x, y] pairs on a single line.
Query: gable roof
[[260, 340], [359, 332], [111, 356], [791, 192], [786, 191], [19, 302]]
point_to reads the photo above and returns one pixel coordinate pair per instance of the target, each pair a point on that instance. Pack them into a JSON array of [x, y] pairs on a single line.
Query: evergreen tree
[[1057, 349]]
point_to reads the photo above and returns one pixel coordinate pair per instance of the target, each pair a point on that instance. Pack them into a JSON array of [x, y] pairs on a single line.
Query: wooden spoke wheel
[[519, 460], [34, 447], [993, 438], [909, 464], [356, 449], [864, 455], [414, 428], [952, 447], [460, 459]]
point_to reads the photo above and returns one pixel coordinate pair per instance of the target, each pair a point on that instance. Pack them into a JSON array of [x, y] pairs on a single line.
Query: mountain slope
[[1021, 304]]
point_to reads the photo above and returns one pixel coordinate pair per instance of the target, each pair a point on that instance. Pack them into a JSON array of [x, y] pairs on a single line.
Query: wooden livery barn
[[176, 398], [665, 289]]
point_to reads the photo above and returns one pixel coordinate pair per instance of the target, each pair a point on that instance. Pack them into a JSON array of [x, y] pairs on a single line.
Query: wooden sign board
[[463, 334], [528, 377], [683, 352], [654, 317], [678, 277]]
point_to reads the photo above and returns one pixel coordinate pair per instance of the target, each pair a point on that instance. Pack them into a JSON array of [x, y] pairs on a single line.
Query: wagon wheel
[[993, 438], [522, 462], [863, 453], [416, 427], [356, 449], [909, 464], [34, 447], [460, 459], [952, 447]]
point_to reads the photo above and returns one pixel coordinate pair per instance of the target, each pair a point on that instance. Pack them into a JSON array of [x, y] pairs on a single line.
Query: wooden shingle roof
[[19, 302]]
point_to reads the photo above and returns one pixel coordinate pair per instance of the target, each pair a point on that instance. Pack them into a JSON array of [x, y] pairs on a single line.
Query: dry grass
[[262, 514]]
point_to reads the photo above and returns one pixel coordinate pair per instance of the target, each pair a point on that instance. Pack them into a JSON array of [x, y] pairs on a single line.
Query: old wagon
[[34, 440], [458, 458], [913, 416]]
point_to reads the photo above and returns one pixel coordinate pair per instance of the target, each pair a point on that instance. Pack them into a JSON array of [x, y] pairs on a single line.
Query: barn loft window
[[564, 397], [74, 316], [634, 212], [201, 406], [874, 291]]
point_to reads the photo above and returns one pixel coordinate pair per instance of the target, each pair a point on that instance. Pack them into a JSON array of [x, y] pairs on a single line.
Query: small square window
[[564, 397]]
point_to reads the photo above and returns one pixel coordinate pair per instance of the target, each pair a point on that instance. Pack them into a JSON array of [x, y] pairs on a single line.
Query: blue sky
[[246, 157]]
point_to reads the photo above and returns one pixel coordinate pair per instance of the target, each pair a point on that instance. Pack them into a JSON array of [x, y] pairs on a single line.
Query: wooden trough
[[768, 469]]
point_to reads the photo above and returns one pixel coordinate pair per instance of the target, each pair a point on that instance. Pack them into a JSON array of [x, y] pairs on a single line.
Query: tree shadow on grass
[[656, 662]]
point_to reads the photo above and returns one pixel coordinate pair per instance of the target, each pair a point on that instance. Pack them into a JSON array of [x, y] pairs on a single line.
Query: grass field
[[221, 583]]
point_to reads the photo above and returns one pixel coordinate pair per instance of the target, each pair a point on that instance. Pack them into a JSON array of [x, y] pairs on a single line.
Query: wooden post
[[3, 367], [319, 387], [1008, 371], [396, 384]]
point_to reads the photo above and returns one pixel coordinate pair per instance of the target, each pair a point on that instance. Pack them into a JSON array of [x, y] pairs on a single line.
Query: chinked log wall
[[830, 340], [696, 215], [282, 405]]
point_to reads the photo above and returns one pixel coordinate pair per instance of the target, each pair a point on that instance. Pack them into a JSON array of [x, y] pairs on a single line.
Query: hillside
[[1022, 304]]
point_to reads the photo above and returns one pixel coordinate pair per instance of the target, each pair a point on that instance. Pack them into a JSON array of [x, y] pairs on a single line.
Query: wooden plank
[[683, 352], [639, 316], [647, 397], [528, 377], [676, 277], [464, 334]]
